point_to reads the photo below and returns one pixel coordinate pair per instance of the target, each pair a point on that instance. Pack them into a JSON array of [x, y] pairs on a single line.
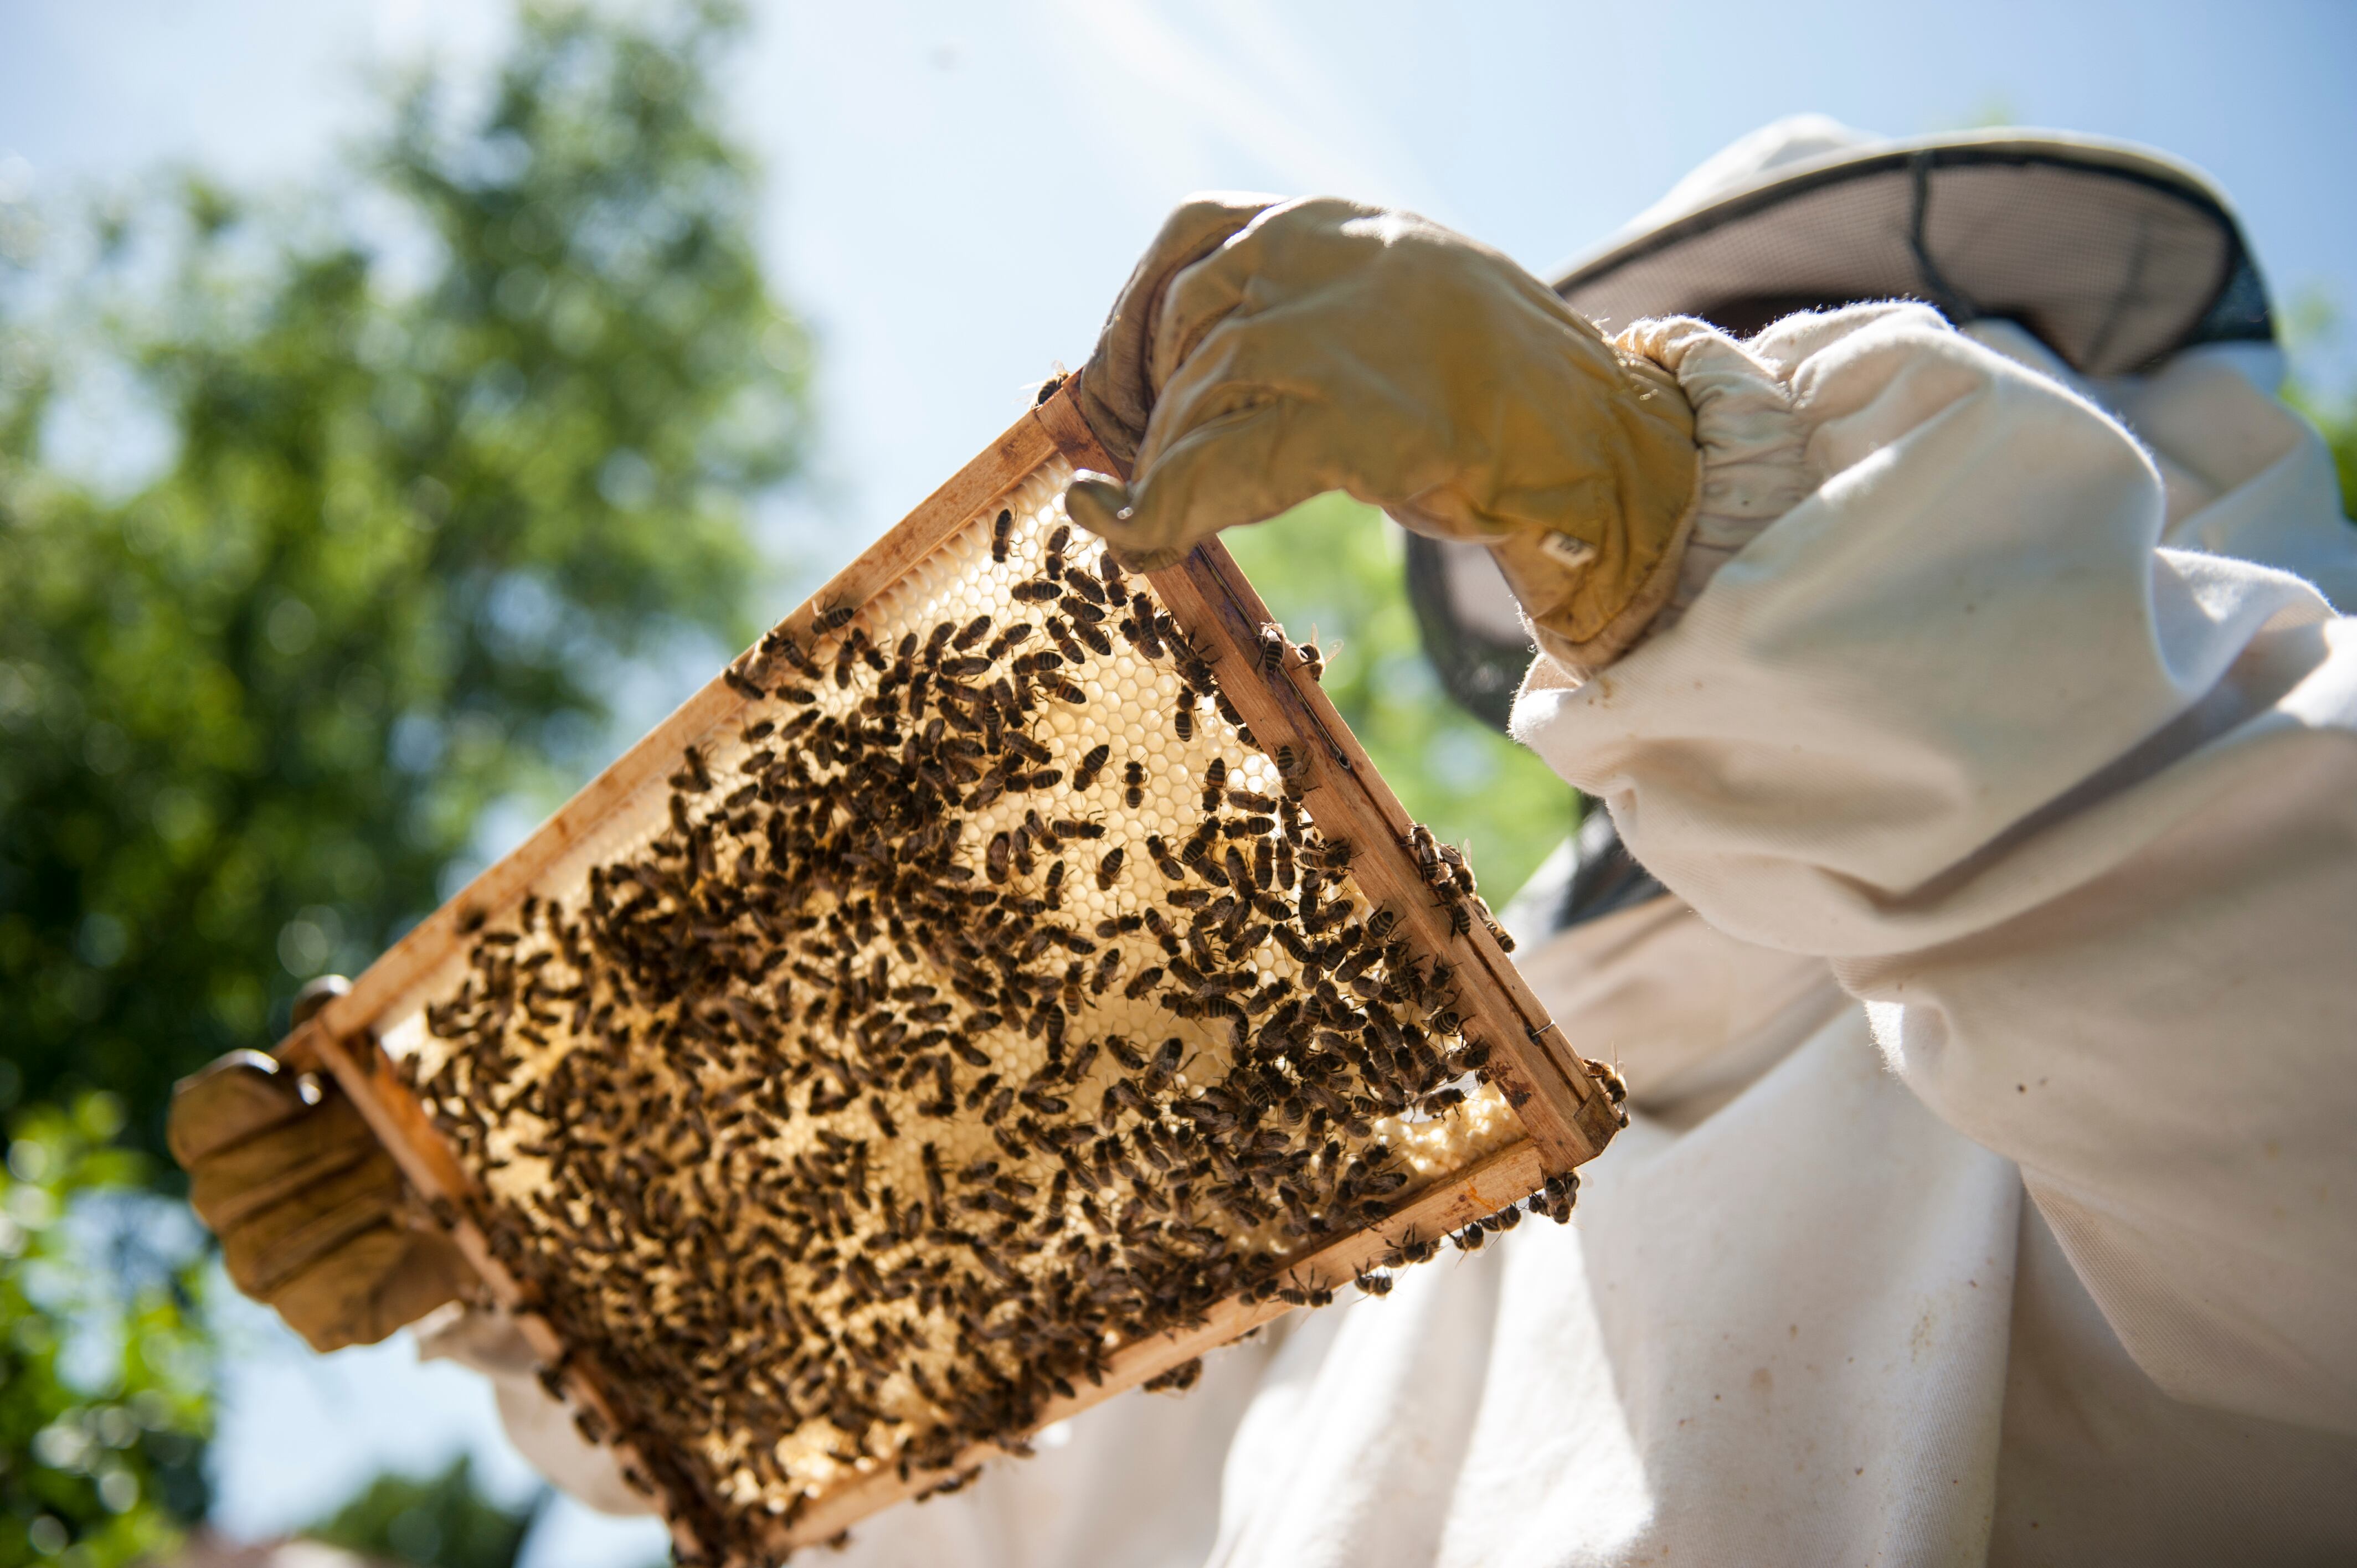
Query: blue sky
[[957, 192]]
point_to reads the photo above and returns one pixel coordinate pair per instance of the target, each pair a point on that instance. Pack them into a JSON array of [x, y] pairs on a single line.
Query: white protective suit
[[2048, 1252]]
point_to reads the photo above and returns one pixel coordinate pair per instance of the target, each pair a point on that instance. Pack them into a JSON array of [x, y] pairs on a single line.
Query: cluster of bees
[[991, 1002]]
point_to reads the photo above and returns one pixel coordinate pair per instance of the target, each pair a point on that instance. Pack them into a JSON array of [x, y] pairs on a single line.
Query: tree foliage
[[105, 1370], [454, 438], [2337, 418], [436, 1521], [1333, 566]]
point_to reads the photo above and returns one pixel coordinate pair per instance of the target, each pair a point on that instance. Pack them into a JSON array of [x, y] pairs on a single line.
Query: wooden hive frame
[[1565, 1115]]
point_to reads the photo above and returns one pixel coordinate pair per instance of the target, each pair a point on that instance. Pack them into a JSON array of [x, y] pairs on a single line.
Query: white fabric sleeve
[[2075, 814], [537, 1423]]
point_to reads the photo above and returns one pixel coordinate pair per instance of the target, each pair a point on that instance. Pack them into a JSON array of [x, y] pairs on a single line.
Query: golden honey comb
[[957, 1013]]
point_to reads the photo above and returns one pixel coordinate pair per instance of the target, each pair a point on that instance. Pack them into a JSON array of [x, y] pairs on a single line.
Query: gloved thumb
[[1223, 472]]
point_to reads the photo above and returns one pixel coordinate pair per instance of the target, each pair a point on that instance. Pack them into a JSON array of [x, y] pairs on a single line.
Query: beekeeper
[[1928, 583]]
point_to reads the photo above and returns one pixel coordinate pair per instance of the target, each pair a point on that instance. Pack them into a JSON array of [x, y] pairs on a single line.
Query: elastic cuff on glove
[[1752, 470]]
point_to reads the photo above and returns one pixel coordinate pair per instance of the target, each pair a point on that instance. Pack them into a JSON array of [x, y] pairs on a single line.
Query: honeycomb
[[989, 1001]]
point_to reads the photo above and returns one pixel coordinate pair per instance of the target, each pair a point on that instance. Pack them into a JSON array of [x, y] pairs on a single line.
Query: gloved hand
[[311, 1212], [1265, 352]]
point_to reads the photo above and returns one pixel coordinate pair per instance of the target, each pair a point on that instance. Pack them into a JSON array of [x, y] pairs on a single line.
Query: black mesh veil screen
[[2111, 268]]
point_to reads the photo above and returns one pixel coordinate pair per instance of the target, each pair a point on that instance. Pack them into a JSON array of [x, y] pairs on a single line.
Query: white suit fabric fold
[[2079, 826], [2049, 1251]]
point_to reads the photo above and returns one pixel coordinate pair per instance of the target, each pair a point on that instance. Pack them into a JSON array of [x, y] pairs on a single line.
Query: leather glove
[[312, 1213], [1267, 351]]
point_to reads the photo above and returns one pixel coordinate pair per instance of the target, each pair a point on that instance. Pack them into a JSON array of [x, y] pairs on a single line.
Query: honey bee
[[1214, 777], [974, 631], [740, 685], [1411, 1250], [1037, 591], [1109, 867], [1001, 533], [1047, 659], [1165, 1065], [833, 618], [1425, 850], [1270, 648], [1183, 721], [1616, 1088], [1313, 663], [1161, 853], [1056, 540], [1178, 1380], [793, 652], [1133, 775], [1333, 854]]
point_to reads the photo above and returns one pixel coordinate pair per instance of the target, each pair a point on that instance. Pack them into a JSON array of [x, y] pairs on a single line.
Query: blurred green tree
[[1333, 566], [2314, 329], [439, 1522], [105, 1370], [2337, 418], [454, 440]]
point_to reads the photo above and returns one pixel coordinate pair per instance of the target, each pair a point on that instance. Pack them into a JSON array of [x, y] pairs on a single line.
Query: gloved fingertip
[[1096, 502], [228, 1100], [1106, 508]]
